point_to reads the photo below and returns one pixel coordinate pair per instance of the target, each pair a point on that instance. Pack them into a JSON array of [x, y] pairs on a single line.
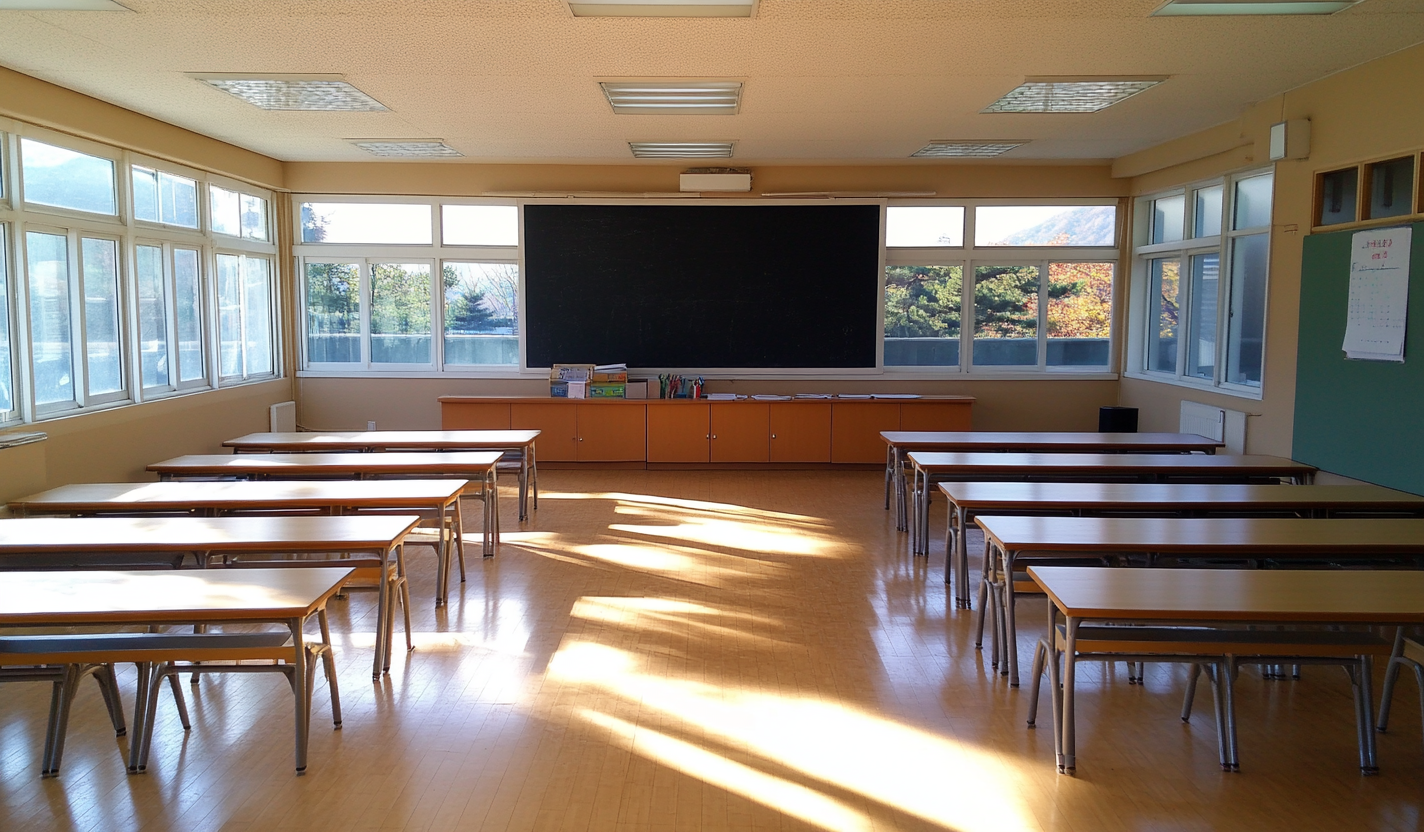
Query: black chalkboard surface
[[699, 286]]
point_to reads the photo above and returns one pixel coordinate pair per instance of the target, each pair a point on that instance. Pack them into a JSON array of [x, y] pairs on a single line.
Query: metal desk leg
[[1054, 686], [1070, 650], [1369, 755], [301, 691], [140, 700], [902, 504], [534, 474], [460, 537], [523, 485], [889, 472], [442, 559], [1011, 644], [949, 547], [383, 612]]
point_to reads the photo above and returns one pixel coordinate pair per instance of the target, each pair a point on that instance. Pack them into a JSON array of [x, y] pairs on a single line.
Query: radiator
[[1228, 426], [283, 417]]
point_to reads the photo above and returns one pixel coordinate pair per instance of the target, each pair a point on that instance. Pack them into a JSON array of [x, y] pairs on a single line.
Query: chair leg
[[1040, 657], [979, 618], [109, 689], [1391, 674], [405, 608], [179, 701], [1226, 672], [1218, 696], [1191, 693], [329, 667]]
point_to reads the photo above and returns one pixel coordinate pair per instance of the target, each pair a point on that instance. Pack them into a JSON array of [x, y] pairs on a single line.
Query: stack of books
[[610, 381], [570, 381]]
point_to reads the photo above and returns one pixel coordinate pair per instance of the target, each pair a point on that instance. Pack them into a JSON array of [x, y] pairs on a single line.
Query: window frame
[[442, 358], [215, 337]]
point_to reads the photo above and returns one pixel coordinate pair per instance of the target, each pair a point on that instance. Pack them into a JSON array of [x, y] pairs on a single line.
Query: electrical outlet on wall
[[370, 426]]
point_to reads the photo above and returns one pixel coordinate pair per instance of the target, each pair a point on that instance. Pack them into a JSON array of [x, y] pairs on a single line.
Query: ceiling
[[826, 81]]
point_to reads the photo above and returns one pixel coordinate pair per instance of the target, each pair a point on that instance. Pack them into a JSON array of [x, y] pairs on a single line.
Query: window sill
[[1251, 394], [954, 374]]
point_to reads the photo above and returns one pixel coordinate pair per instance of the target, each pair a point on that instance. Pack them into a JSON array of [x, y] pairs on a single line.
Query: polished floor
[[706, 650]]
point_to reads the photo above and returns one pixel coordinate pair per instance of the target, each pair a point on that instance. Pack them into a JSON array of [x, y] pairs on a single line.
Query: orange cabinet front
[[739, 432], [801, 432], [611, 433], [935, 415], [558, 426], [678, 432], [855, 430], [474, 415]]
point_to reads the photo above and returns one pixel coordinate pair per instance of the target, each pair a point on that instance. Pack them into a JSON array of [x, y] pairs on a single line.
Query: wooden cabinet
[[935, 415], [856, 427], [558, 426], [739, 432], [475, 416], [678, 432], [800, 432], [610, 432]]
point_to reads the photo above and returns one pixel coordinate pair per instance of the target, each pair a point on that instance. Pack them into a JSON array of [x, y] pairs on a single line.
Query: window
[[1217, 315], [169, 315], [237, 214], [245, 333], [1079, 300], [51, 350], [1045, 225], [479, 225], [364, 223], [165, 198], [924, 226], [333, 304], [401, 313], [64, 178], [922, 306], [152, 316], [1006, 316], [188, 304], [481, 313], [103, 355], [7, 371]]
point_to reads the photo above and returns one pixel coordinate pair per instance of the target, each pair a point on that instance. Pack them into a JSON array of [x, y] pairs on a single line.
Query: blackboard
[[702, 287], [1362, 419]]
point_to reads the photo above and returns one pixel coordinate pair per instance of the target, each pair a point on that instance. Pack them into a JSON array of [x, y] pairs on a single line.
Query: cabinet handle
[[773, 436], [580, 438], [708, 436], [714, 436]]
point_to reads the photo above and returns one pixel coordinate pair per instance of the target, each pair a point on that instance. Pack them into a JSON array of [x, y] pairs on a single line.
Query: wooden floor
[[707, 650]]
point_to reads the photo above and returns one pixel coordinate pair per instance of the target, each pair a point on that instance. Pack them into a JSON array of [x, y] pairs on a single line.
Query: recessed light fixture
[[61, 6], [406, 148], [1071, 95], [682, 150], [673, 97], [293, 92], [662, 8], [968, 149], [1205, 8]]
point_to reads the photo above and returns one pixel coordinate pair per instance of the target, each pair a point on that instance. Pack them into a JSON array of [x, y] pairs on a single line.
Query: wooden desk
[[204, 536], [931, 467], [478, 466], [504, 441], [439, 498], [251, 596], [1010, 539], [968, 499], [901, 442], [1208, 597]]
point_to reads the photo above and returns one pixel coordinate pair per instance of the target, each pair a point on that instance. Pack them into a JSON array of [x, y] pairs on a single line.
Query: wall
[[1355, 115]]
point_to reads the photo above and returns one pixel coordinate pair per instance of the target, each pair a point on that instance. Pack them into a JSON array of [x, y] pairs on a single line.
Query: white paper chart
[[1379, 294]]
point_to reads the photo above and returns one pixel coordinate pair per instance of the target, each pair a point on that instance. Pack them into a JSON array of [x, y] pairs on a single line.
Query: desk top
[[1236, 536], [1036, 441], [181, 596], [1378, 597], [1006, 497], [265, 494], [380, 439], [203, 534], [944, 464], [451, 463]]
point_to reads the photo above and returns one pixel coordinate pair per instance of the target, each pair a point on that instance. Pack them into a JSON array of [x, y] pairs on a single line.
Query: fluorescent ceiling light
[[682, 150], [61, 6], [673, 97], [1203, 8], [1070, 95], [662, 8], [293, 92], [406, 148], [971, 149]]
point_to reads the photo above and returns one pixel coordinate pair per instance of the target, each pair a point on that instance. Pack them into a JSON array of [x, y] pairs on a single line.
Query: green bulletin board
[[1361, 419]]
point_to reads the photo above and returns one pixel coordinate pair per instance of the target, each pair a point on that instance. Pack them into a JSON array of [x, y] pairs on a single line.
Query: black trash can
[[1117, 420]]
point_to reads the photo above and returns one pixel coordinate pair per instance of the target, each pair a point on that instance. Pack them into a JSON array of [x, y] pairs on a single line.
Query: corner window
[[245, 331]]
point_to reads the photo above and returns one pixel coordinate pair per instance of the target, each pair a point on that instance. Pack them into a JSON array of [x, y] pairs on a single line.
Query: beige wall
[[1366, 113]]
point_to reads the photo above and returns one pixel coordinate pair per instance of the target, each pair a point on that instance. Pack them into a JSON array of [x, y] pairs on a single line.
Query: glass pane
[[257, 315], [1253, 203], [1045, 225], [1201, 320], [47, 262], [229, 315], [922, 315], [1207, 219], [400, 313], [481, 313], [333, 313], [145, 194], [1006, 316], [179, 200], [479, 225], [1245, 340], [364, 222], [7, 371], [1391, 188], [924, 227], [223, 206], [66, 179], [101, 315], [254, 217], [188, 303], [1162, 339], [152, 316], [1167, 216], [1079, 314], [1337, 196]]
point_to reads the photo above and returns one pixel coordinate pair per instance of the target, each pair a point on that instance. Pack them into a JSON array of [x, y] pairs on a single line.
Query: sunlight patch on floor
[[676, 502], [759, 538]]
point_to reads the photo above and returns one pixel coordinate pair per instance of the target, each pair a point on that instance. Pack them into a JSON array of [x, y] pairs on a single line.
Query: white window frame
[[273, 306], [168, 250], [443, 361], [1142, 304]]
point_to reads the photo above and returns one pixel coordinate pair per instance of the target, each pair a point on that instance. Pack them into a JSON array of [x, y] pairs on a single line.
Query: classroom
[[453, 340]]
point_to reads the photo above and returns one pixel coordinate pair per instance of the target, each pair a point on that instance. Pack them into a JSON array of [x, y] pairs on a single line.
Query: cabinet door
[[558, 426], [856, 427], [474, 416], [935, 415], [677, 432], [801, 432], [740, 432], [612, 432]]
